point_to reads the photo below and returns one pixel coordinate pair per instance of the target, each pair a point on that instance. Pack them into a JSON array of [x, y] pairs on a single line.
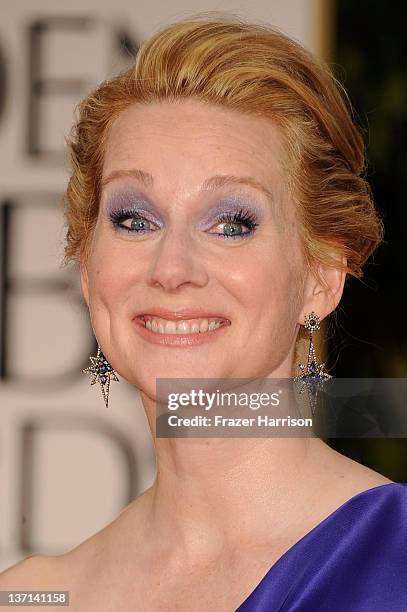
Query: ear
[[323, 290], [84, 282]]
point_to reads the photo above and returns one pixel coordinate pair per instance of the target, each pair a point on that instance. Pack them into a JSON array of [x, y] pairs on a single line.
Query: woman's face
[[195, 216]]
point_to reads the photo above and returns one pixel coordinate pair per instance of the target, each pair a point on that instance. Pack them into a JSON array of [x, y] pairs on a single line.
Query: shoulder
[[339, 479], [55, 572], [71, 569], [346, 476], [49, 573], [37, 572]]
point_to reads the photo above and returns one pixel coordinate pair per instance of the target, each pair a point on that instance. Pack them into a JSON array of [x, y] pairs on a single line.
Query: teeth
[[170, 327], [193, 326], [183, 327], [204, 326]]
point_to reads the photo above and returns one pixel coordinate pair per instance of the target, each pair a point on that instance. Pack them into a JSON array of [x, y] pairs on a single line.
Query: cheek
[[266, 279], [113, 272]]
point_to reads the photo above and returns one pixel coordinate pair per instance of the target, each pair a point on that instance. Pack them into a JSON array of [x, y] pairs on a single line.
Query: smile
[[185, 326], [178, 329]]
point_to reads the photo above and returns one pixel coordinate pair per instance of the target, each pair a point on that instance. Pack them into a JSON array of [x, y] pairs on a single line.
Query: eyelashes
[[118, 217], [233, 223], [239, 217]]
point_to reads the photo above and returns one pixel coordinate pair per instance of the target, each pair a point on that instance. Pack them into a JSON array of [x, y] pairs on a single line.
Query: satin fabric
[[354, 560]]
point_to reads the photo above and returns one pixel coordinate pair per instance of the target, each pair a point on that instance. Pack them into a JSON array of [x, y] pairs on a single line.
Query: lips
[[181, 314], [179, 328]]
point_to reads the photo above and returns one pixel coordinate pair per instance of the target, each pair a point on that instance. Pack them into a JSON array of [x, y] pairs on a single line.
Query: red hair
[[254, 69]]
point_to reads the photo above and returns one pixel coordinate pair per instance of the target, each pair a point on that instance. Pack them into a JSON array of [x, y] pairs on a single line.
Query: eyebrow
[[211, 184]]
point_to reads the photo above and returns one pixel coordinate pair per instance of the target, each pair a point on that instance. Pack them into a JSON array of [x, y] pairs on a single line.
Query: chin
[[146, 381]]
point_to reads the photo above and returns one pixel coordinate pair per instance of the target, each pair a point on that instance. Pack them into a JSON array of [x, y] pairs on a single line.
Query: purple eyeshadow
[[131, 201], [231, 205], [135, 202]]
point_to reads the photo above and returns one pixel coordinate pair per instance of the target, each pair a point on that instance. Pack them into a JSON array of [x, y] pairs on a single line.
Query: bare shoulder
[[81, 570], [335, 480], [348, 476], [48, 573], [37, 572]]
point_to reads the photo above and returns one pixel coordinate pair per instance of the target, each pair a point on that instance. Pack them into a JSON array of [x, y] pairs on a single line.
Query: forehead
[[183, 142]]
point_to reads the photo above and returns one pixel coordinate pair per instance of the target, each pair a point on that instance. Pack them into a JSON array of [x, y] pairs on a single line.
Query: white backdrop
[[68, 465]]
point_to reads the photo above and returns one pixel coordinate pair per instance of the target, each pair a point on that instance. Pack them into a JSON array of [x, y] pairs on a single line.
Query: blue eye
[[233, 223], [137, 225]]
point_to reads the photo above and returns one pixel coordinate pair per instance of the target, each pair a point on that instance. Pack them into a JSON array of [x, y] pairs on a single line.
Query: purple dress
[[354, 560]]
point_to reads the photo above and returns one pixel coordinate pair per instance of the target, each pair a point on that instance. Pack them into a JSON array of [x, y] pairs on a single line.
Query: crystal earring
[[102, 371], [313, 377], [314, 372]]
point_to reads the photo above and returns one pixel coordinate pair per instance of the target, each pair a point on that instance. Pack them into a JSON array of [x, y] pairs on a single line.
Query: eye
[[237, 224], [233, 224], [130, 221]]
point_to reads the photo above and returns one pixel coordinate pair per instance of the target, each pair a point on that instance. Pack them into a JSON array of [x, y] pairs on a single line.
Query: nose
[[177, 262]]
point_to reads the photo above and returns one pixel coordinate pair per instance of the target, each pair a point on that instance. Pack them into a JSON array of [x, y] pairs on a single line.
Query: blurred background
[[368, 51], [68, 465]]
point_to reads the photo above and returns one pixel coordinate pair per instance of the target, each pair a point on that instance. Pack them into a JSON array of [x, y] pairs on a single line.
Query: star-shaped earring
[[313, 374], [102, 372]]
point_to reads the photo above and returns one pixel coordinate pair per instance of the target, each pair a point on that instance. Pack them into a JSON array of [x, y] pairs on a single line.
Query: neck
[[213, 494]]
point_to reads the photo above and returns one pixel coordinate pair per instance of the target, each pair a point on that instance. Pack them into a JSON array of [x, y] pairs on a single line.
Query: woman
[[218, 180]]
